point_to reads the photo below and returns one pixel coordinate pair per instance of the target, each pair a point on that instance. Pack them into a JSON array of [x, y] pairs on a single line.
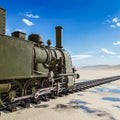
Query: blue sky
[[91, 27]]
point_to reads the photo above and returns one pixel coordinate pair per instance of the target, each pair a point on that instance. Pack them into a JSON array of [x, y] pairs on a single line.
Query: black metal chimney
[[59, 37], [2, 21]]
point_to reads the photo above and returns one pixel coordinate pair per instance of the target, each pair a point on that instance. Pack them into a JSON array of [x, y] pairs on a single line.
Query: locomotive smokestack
[[59, 37], [2, 20]]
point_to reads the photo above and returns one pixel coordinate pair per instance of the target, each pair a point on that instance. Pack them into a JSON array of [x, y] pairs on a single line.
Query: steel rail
[[92, 83]]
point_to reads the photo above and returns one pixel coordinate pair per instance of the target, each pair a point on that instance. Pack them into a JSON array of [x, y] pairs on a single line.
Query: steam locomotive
[[29, 69]]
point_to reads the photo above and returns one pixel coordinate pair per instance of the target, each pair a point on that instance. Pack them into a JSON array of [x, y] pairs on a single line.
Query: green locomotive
[[29, 69]]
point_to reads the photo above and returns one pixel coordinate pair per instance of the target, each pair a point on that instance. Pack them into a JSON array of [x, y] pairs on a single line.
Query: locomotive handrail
[[66, 74], [38, 72]]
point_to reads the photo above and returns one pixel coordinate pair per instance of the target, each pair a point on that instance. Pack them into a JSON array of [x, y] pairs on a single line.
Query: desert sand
[[99, 103]]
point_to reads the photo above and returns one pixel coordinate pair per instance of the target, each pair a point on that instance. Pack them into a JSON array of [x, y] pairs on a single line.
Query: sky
[[91, 28]]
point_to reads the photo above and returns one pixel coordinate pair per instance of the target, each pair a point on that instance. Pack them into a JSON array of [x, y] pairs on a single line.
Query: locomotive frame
[[31, 70]]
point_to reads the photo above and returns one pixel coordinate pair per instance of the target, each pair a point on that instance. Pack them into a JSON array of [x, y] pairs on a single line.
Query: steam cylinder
[[5, 87]]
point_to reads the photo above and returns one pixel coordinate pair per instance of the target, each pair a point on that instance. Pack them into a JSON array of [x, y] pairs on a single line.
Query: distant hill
[[101, 67]]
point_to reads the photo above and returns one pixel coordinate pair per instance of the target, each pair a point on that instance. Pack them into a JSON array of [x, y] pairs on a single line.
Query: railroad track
[[77, 87], [92, 83]]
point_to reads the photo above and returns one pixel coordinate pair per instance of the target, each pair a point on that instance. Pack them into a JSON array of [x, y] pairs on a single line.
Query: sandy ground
[[99, 103], [97, 73]]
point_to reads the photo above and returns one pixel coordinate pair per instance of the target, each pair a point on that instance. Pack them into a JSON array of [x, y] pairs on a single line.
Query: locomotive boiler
[[29, 69]]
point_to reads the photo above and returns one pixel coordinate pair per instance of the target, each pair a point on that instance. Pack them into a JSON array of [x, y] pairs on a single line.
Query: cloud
[[80, 57], [21, 30], [107, 51], [27, 22], [32, 16], [116, 43], [112, 26], [115, 22], [116, 19], [118, 24]]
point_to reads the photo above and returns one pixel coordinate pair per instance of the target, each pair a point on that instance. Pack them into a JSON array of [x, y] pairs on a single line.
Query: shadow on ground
[[111, 99]]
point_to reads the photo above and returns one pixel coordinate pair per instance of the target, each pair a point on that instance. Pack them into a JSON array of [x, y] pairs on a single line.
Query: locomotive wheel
[[31, 86], [14, 92]]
